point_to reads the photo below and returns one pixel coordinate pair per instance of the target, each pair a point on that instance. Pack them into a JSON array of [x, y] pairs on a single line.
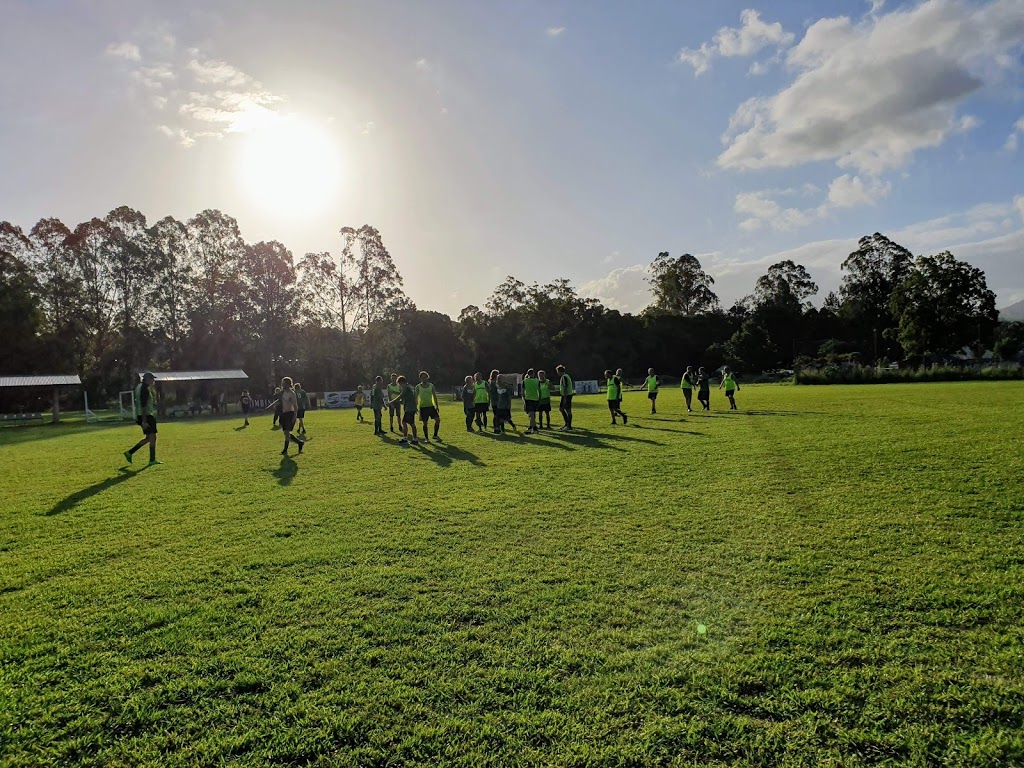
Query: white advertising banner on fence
[[339, 399], [587, 387]]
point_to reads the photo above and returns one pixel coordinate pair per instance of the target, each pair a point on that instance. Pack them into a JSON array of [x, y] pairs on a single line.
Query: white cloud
[[751, 37], [129, 51], [1012, 139], [869, 94], [625, 289], [761, 210], [210, 97], [554, 31], [980, 235], [422, 65], [848, 192]]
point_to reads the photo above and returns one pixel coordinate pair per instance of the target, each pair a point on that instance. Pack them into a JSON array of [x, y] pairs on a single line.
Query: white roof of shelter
[[198, 375], [39, 381]]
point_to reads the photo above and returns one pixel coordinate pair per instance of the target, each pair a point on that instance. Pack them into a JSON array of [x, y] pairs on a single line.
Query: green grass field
[[855, 556]]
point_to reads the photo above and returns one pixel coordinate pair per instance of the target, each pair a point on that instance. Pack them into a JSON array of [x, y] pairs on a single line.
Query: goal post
[[126, 402]]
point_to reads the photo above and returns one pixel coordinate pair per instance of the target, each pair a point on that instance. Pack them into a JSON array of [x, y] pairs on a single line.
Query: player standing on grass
[[481, 402], [687, 386], [407, 399], [377, 404], [301, 404], [531, 399], [394, 401], [652, 389], [731, 387], [566, 390], [359, 398], [615, 396], [145, 417], [703, 390], [544, 404], [246, 402], [277, 406], [426, 395], [468, 394], [289, 403]]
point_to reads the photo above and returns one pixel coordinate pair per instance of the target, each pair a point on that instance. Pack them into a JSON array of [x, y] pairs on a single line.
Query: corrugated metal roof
[[39, 381], [198, 375]]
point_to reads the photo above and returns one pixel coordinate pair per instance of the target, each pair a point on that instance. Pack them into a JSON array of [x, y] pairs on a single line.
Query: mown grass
[[855, 555]]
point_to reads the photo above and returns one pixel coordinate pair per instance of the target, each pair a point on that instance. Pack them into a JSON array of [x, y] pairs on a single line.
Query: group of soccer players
[[480, 398]]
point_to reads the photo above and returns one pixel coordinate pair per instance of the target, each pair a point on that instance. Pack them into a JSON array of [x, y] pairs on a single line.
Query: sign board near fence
[[587, 387], [341, 399]]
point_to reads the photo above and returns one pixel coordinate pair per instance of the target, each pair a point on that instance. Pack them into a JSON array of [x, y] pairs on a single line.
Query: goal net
[[127, 404]]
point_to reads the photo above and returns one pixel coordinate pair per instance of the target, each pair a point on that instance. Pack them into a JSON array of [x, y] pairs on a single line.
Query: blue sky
[[538, 139]]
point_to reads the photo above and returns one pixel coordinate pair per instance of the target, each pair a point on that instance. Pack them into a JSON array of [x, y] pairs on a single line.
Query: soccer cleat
[[417, 442], [128, 456], [625, 419], [403, 441], [438, 439]]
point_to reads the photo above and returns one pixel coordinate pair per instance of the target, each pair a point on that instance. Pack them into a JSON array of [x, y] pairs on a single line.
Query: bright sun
[[290, 167]]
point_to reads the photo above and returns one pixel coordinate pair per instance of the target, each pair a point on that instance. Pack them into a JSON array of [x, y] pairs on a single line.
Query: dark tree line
[[116, 294]]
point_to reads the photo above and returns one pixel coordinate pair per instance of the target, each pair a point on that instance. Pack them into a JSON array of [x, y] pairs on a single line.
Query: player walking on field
[[566, 390], [687, 386], [394, 401], [377, 404], [246, 402], [426, 396], [615, 396], [407, 399], [531, 399], [544, 404], [703, 390], [652, 389], [289, 403], [277, 406], [481, 401], [145, 417], [731, 387], [301, 404]]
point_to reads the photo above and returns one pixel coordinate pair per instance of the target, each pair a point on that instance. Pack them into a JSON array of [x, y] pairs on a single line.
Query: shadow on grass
[[243, 427], [287, 471], [590, 439], [445, 455], [14, 435], [76, 498], [670, 431]]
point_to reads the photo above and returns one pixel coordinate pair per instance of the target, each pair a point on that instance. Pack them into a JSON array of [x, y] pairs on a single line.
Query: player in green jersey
[[145, 417], [614, 383], [731, 387], [394, 401], [544, 404], [652, 389], [531, 399], [426, 398]]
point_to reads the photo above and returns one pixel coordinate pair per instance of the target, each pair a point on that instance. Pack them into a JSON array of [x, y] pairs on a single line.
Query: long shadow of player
[[78, 497], [670, 431], [600, 439], [287, 471]]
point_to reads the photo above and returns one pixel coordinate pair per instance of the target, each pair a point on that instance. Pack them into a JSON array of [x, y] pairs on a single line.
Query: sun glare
[[290, 167]]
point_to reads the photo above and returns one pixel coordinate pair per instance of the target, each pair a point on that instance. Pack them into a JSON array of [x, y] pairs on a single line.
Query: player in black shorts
[[145, 417]]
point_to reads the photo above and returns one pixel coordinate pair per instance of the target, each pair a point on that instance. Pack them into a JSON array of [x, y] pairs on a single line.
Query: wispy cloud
[[554, 31], [761, 209], [199, 97], [129, 51], [752, 36]]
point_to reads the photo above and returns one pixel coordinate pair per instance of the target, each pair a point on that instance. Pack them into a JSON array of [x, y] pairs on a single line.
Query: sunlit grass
[[855, 554]]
